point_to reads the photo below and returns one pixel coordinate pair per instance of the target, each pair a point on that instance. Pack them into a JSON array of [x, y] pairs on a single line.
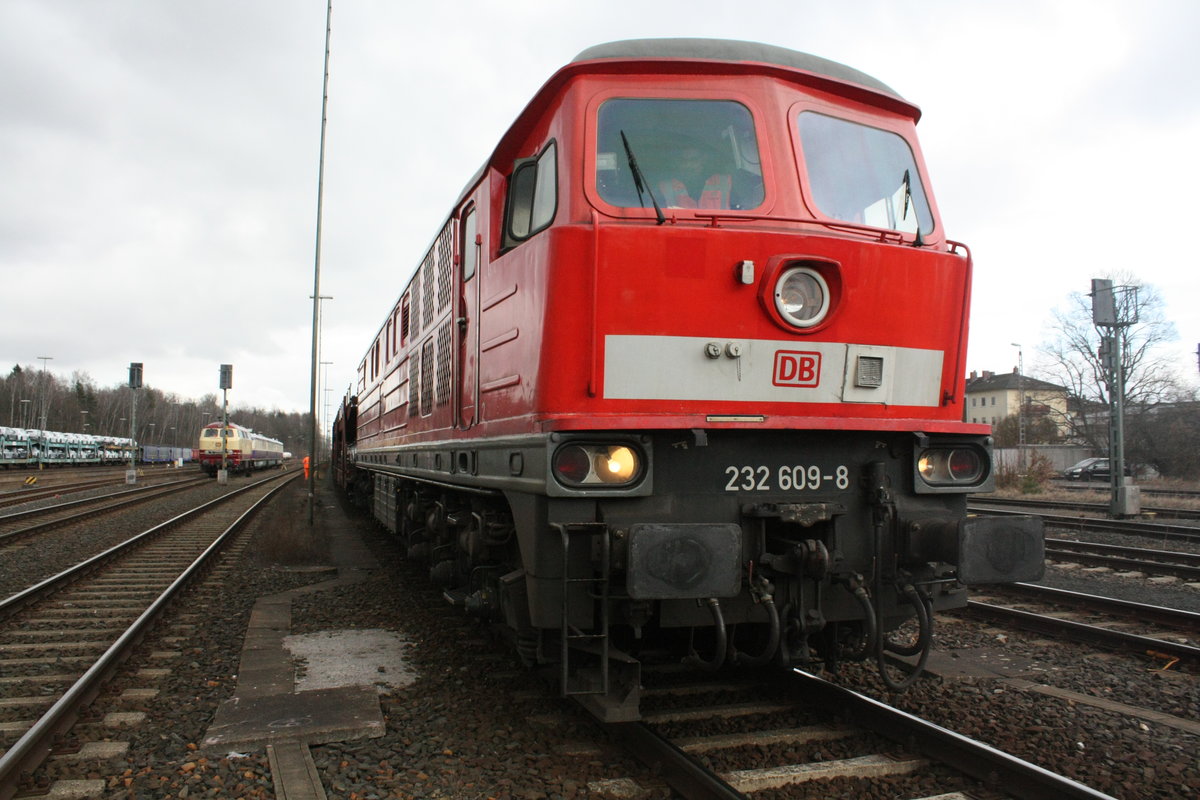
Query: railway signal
[[226, 383], [135, 383], [1114, 308]]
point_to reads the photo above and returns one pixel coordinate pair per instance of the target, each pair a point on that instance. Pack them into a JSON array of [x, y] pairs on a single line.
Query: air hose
[[924, 608], [693, 658]]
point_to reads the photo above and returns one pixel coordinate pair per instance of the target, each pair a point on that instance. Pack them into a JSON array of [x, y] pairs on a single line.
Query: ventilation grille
[[427, 377], [443, 364], [427, 270], [870, 372], [414, 384], [416, 303], [444, 264]]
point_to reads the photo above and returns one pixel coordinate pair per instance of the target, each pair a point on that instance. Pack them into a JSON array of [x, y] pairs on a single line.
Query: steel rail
[[140, 495], [1096, 508], [31, 749], [983, 762], [13, 603], [1170, 556], [30, 494], [993, 767], [1143, 611], [1080, 631], [1132, 528], [681, 772], [1079, 556], [13, 516], [1098, 486]]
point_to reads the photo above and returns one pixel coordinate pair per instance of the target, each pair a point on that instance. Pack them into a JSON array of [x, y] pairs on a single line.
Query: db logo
[[793, 368]]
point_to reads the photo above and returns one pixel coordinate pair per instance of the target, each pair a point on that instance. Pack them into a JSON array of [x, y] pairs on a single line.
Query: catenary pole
[[316, 295]]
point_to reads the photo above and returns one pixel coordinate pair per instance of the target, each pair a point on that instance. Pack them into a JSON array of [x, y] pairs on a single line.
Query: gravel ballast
[[475, 724]]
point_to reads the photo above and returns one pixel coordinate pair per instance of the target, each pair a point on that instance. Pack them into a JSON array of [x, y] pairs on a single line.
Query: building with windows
[[990, 397]]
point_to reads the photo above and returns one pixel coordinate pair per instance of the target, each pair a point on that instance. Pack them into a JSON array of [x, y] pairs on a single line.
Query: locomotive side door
[[470, 249]]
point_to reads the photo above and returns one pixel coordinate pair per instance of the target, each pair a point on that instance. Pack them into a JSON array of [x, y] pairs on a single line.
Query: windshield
[[688, 154], [863, 175]]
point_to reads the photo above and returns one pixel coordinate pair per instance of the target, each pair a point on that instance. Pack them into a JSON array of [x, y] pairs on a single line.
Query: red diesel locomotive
[[682, 373]]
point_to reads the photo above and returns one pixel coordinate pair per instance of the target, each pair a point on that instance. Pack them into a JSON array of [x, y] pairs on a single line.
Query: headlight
[[802, 297], [577, 464], [950, 466]]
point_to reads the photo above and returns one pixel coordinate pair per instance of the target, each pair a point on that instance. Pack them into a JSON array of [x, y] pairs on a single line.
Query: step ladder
[[596, 586]]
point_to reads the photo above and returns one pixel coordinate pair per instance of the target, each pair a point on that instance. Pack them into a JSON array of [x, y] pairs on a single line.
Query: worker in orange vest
[[306, 468]]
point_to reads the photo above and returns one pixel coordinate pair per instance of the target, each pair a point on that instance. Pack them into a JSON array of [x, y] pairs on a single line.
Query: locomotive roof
[[712, 50], [734, 51], [719, 50]]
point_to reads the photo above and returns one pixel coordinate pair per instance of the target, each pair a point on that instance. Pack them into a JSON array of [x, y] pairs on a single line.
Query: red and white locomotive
[[683, 372]]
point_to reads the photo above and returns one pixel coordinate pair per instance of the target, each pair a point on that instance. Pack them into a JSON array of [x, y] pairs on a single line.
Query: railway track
[[70, 632], [1139, 559], [17, 525], [703, 747], [1093, 619], [1147, 491], [15, 476], [1087, 508], [1160, 530], [15, 493], [19, 496]]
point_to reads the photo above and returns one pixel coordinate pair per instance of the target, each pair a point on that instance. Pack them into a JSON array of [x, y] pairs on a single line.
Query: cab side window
[[532, 196], [470, 252]]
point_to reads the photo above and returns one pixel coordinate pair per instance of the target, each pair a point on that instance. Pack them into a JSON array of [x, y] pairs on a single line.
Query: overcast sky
[[160, 160]]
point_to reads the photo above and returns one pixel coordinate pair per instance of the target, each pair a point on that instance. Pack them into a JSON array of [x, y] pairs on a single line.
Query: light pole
[[45, 401], [1020, 407], [314, 386], [316, 295], [324, 406]]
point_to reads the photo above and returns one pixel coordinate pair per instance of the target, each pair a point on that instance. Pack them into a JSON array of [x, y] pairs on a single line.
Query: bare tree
[[163, 418], [1038, 430], [1168, 436], [1073, 357]]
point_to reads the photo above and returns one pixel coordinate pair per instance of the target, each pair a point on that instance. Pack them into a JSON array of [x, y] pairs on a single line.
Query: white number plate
[[786, 479]]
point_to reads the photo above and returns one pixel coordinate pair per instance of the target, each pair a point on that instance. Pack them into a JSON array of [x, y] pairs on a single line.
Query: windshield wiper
[[639, 180], [917, 240]]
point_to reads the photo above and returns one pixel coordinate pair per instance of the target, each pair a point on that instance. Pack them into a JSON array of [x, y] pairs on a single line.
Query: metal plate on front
[[1001, 549], [684, 560]]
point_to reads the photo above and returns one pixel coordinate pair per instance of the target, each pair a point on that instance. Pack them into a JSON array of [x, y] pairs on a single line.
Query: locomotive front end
[[785, 469], [682, 374]]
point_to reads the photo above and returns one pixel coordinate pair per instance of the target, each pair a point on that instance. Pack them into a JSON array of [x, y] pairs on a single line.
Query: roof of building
[[992, 382]]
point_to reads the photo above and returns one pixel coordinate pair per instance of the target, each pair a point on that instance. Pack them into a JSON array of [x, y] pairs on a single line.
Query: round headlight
[[802, 297], [615, 465], [931, 465], [945, 466], [595, 465]]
